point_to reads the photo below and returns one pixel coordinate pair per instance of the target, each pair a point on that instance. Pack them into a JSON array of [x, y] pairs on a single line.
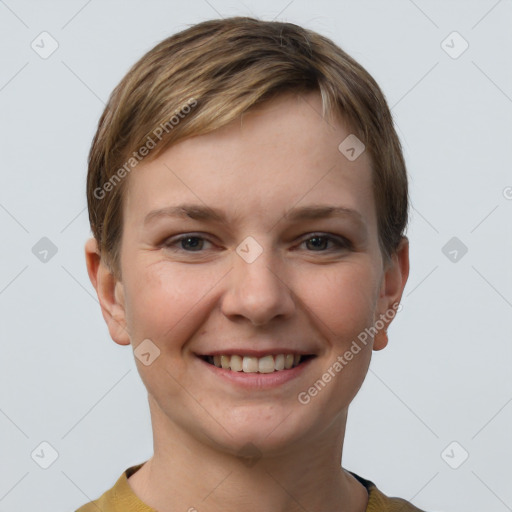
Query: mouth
[[251, 364]]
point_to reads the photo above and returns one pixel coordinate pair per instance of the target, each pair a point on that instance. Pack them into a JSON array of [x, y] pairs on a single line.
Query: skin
[[300, 292]]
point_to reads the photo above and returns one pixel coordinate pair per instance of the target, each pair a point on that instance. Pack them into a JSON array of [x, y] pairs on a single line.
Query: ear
[[395, 276], [110, 293]]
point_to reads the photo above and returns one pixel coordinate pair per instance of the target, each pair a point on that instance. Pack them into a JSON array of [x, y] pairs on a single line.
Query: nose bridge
[[262, 272], [256, 290]]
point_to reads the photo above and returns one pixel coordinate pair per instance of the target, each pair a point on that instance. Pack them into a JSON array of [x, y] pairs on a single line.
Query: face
[[257, 240]]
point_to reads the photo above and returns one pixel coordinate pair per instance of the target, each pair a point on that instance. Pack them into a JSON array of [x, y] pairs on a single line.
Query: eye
[[319, 243], [187, 243]]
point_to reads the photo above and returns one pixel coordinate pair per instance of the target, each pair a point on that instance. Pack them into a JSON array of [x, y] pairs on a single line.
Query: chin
[[263, 431]]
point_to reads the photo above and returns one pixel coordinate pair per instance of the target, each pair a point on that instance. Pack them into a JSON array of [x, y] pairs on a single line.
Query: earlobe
[[380, 340], [392, 287], [110, 293]]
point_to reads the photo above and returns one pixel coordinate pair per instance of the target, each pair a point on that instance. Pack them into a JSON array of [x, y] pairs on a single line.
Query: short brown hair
[[209, 74]]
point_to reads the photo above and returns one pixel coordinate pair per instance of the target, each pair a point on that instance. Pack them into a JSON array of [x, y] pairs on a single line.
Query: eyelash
[[341, 242]]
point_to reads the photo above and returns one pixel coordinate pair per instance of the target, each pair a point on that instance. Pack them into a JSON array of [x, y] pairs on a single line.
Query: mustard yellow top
[[121, 498]]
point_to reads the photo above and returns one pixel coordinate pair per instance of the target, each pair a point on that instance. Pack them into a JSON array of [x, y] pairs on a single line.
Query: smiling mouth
[[250, 364]]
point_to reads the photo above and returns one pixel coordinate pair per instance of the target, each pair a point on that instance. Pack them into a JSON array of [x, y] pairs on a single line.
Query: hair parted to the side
[[208, 75]]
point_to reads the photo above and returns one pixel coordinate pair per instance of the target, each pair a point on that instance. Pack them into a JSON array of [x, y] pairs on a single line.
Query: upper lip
[[255, 353]]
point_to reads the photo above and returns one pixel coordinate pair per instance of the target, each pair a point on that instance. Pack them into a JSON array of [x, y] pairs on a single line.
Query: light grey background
[[445, 375]]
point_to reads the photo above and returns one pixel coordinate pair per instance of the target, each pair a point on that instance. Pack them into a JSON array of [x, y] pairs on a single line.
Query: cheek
[[342, 298], [342, 306], [166, 306], [164, 303]]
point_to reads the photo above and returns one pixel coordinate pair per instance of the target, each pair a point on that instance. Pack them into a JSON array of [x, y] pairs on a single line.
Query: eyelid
[[341, 241], [175, 239]]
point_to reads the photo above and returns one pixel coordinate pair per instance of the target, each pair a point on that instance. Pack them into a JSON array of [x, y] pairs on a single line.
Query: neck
[[187, 474]]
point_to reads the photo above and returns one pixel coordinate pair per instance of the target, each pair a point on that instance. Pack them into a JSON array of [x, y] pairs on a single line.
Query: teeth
[[236, 363], [266, 364], [247, 364], [250, 364], [279, 362]]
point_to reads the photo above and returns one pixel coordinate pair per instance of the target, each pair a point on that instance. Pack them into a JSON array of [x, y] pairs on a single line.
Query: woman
[[248, 199]]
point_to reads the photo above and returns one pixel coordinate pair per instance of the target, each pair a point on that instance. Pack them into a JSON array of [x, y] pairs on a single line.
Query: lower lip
[[258, 380]]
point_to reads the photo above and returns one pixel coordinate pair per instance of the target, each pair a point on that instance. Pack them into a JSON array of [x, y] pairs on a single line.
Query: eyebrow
[[206, 213]]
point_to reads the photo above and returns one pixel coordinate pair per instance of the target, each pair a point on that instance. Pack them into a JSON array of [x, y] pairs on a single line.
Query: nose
[[257, 292]]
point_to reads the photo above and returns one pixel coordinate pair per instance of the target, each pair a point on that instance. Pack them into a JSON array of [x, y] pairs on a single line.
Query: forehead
[[278, 154]]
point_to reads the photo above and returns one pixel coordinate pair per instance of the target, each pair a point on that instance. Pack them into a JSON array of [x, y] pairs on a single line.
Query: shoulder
[[119, 498], [379, 502], [106, 502]]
